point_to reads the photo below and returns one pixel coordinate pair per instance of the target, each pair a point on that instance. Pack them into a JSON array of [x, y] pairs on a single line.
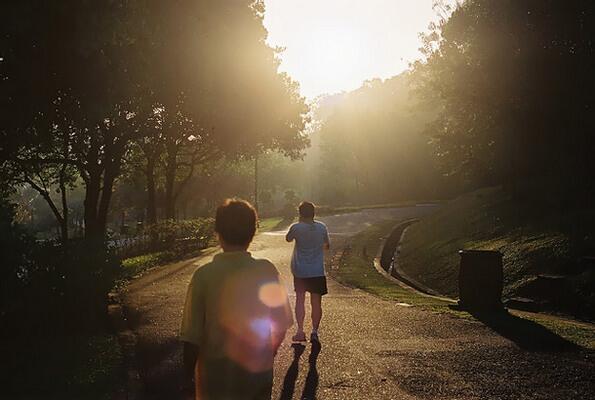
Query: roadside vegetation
[[92, 364], [542, 260], [356, 269]]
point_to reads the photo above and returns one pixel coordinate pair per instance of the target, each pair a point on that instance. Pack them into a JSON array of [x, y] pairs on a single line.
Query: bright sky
[[335, 45]]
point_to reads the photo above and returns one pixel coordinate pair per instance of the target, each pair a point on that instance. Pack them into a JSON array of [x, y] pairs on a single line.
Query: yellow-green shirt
[[232, 306]]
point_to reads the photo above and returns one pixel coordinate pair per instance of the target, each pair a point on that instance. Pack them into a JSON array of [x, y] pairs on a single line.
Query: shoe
[[299, 337], [314, 337]]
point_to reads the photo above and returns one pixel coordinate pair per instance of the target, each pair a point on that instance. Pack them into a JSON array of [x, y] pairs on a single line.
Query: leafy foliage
[[199, 231], [514, 86], [88, 84], [50, 288], [373, 149], [176, 237]]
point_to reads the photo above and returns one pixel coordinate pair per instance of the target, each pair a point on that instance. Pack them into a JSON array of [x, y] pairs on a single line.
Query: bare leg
[[316, 302], [300, 312]]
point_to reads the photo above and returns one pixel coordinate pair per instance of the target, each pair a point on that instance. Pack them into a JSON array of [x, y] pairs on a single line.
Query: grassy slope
[[356, 269], [486, 219]]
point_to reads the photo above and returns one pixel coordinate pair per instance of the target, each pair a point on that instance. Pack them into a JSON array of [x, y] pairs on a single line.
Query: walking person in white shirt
[[307, 265]]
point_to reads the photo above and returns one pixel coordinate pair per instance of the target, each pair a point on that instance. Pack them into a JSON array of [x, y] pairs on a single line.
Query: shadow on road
[[526, 334], [292, 372], [159, 368], [311, 384]]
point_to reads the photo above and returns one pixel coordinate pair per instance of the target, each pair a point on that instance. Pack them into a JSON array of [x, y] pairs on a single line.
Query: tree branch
[[46, 196]]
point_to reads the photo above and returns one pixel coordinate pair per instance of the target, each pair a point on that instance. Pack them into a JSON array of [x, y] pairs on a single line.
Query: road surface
[[371, 348]]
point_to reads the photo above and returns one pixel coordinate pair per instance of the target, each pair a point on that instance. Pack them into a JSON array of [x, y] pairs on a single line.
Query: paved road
[[371, 348]]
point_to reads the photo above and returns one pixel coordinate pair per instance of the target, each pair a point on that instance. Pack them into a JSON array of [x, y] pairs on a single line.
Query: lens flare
[[272, 295], [261, 327]]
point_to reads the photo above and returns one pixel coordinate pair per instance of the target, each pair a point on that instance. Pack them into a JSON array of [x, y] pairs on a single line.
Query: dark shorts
[[316, 284]]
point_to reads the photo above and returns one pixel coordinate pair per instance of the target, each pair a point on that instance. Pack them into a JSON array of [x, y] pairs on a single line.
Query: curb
[[396, 275]]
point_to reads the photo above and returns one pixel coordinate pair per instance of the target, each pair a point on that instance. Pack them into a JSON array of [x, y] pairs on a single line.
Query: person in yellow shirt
[[236, 314]]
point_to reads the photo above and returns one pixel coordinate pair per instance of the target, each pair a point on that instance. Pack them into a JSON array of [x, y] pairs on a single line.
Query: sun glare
[[335, 60], [335, 45]]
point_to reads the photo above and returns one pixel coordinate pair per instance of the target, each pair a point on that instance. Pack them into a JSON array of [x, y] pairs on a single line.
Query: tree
[[218, 90], [86, 82], [514, 80], [69, 74]]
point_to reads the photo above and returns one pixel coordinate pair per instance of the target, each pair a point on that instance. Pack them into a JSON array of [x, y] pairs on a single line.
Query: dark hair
[[307, 209], [235, 222]]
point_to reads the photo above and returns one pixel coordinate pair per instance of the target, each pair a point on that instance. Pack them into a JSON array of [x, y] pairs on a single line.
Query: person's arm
[[327, 242], [290, 234], [191, 355], [192, 330], [281, 315], [190, 359]]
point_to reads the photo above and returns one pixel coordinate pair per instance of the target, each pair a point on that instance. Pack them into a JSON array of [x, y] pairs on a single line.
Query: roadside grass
[[356, 270], [267, 224], [533, 242], [275, 223], [134, 266], [580, 333]]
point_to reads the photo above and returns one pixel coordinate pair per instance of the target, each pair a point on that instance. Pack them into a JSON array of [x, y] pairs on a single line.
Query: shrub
[[176, 236], [48, 287], [60, 288]]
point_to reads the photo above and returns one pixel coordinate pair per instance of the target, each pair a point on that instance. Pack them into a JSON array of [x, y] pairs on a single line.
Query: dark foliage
[[49, 288], [514, 84], [177, 237]]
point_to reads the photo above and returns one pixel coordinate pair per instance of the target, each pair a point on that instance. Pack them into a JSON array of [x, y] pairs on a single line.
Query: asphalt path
[[371, 348]]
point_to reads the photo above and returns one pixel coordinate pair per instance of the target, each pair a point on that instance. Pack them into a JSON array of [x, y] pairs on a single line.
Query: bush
[[60, 288], [53, 313], [48, 287], [170, 235], [15, 246], [168, 232]]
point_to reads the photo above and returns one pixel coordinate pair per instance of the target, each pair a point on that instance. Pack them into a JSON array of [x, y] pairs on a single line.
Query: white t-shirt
[[308, 254]]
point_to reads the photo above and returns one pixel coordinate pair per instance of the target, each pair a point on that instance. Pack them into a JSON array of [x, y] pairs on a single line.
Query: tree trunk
[[98, 195], [64, 220], [151, 198], [170, 180], [106, 196], [91, 202]]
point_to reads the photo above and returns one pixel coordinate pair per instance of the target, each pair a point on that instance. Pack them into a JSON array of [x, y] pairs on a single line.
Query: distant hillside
[[541, 261]]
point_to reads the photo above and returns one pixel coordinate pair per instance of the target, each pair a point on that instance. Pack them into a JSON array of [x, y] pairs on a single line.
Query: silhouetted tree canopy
[[514, 83], [84, 81]]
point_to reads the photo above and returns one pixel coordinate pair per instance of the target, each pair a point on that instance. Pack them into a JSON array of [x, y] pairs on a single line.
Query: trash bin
[[480, 280]]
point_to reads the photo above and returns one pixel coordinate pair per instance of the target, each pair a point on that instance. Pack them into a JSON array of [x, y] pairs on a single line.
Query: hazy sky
[[334, 45]]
